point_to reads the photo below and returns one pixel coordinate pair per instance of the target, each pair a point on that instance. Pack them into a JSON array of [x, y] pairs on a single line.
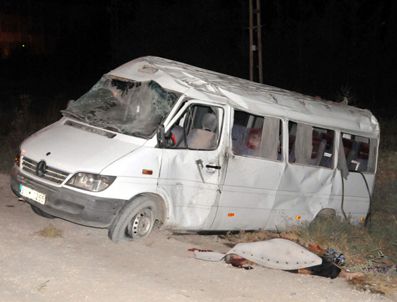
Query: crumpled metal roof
[[256, 98]]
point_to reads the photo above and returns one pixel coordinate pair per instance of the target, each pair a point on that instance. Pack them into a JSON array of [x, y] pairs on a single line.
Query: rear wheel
[[41, 213], [135, 221]]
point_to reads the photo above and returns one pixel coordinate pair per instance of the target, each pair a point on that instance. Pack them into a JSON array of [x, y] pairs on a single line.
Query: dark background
[[55, 50]]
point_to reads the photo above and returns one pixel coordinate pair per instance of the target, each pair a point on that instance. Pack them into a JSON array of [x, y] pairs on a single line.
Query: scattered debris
[[334, 256], [42, 286]]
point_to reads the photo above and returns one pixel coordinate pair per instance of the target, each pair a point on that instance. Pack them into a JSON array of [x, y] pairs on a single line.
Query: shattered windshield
[[132, 108]]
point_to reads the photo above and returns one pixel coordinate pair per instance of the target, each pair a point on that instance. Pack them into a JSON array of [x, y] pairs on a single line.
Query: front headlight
[[91, 182]]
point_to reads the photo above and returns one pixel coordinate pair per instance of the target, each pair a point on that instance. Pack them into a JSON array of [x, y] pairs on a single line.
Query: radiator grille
[[51, 174]]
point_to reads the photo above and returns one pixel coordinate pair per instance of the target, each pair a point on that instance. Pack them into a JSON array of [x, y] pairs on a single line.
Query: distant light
[[23, 45]]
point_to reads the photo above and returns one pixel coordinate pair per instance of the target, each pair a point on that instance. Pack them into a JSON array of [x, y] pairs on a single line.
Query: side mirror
[[161, 141], [163, 138]]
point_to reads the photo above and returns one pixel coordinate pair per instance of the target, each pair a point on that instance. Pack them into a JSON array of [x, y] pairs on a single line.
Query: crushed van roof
[[256, 98]]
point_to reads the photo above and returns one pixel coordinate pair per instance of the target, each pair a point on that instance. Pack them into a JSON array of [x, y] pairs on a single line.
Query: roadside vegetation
[[371, 249]]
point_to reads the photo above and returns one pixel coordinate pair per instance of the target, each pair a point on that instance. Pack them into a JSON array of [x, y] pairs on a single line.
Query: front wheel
[[135, 221]]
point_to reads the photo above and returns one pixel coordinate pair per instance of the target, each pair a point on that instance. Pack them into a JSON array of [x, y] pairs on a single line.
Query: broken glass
[[128, 107]]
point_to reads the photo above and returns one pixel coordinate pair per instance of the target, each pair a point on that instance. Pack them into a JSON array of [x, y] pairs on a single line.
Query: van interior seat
[[177, 132], [204, 138], [209, 122]]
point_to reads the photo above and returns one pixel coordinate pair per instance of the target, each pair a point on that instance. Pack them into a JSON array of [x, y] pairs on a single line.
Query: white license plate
[[32, 194]]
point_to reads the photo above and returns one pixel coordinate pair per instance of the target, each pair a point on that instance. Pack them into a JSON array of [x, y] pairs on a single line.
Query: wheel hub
[[140, 224]]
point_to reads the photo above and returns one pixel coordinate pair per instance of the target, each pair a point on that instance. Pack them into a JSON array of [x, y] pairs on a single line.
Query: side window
[[359, 152], [198, 128], [311, 145], [257, 136]]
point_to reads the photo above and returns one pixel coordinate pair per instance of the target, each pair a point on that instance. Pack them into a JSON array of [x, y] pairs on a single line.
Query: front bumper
[[68, 204]]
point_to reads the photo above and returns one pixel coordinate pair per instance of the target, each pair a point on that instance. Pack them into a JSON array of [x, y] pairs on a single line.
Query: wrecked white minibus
[[158, 141]]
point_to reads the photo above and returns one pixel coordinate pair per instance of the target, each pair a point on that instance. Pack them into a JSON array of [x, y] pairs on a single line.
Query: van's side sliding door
[[253, 173]]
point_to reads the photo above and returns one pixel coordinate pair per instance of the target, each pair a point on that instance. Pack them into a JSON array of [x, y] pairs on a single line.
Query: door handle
[[209, 166]]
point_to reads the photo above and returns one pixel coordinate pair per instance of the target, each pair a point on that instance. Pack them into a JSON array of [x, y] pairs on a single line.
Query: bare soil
[[81, 264]]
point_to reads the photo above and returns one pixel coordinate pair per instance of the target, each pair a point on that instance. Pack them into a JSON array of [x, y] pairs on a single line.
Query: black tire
[[135, 221], [41, 213]]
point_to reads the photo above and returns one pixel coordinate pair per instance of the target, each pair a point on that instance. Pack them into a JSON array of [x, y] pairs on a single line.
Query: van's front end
[[100, 154]]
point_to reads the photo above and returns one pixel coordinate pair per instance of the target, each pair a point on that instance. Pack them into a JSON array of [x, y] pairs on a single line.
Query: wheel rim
[[141, 224]]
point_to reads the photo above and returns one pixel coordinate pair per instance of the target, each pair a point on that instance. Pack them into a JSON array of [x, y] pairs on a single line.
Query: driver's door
[[191, 165]]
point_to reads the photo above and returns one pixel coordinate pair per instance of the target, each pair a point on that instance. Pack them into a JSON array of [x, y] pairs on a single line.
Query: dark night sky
[[314, 47]]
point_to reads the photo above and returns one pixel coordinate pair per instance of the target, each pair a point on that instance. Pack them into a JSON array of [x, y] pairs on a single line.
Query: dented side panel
[[191, 188], [273, 195], [302, 193]]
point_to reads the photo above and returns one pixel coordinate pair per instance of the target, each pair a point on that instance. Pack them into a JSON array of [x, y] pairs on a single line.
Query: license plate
[[32, 194]]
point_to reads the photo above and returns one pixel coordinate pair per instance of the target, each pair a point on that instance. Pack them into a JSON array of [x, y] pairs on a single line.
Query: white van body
[[314, 155]]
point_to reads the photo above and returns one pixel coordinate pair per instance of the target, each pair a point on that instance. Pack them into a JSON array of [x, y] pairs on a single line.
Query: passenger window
[[198, 128], [359, 152], [257, 136], [310, 145]]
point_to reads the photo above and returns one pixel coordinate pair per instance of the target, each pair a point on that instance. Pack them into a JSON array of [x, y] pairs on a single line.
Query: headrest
[[210, 122]]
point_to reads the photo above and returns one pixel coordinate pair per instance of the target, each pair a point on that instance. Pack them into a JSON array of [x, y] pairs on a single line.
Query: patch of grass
[[377, 283], [365, 250], [50, 232]]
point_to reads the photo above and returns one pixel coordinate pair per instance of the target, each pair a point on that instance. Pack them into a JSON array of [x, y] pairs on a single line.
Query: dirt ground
[[84, 265]]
